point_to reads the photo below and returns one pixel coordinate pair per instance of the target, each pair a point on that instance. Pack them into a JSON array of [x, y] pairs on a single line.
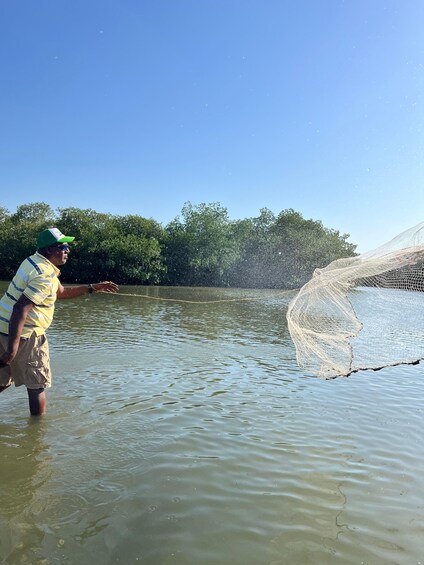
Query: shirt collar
[[49, 263]]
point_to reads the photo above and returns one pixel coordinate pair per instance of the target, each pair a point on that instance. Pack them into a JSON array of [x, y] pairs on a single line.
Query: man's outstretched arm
[[81, 290]]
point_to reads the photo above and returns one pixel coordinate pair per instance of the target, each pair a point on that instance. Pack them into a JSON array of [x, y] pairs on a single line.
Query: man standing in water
[[26, 311]]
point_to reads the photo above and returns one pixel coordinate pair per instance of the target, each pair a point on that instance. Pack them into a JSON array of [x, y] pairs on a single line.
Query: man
[[26, 311]]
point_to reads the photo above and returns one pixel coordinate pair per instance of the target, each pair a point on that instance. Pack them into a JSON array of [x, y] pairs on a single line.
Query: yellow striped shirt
[[37, 279]]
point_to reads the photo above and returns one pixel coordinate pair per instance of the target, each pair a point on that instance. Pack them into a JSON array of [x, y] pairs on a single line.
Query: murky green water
[[185, 434]]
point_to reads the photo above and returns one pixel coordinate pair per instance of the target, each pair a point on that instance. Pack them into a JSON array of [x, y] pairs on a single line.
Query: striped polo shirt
[[37, 279]]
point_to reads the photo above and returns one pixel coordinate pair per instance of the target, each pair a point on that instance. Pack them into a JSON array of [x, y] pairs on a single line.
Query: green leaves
[[203, 247], [125, 249], [200, 250]]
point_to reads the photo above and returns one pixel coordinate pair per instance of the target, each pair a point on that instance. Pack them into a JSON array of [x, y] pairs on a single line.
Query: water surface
[[185, 434]]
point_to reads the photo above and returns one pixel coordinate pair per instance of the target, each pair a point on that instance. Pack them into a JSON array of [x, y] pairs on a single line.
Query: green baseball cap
[[52, 236]]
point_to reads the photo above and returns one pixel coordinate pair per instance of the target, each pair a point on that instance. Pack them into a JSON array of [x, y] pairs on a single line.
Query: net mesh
[[364, 312]]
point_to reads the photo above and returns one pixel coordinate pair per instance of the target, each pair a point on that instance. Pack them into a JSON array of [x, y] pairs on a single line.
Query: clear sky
[[138, 106]]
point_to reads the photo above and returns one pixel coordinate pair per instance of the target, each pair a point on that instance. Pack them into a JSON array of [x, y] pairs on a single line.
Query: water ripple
[[185, 433]]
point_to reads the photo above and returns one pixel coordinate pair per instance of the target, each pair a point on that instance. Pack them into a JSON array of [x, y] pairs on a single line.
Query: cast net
[[364, 312]]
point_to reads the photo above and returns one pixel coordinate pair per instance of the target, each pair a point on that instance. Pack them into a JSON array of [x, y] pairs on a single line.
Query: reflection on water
[[184, 433], [25, 467]]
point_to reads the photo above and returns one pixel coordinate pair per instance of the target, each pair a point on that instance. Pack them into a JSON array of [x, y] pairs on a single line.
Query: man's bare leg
[[37, 401]]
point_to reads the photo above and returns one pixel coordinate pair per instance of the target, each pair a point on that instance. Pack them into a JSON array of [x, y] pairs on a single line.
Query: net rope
[[184, 301], [363, 312]]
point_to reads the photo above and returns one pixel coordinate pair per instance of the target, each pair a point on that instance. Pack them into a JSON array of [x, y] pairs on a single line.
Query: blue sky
[[138, 106]]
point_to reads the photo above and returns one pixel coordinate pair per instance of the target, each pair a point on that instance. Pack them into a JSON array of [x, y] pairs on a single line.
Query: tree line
[[200, 247]]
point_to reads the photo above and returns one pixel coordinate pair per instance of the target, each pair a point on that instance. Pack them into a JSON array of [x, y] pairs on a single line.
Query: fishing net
[[364, 312]]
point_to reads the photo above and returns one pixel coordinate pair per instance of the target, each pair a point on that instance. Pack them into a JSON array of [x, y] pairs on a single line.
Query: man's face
[[58, 254]]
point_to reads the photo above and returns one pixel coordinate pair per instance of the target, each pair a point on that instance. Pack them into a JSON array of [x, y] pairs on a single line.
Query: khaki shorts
[[31, 366]]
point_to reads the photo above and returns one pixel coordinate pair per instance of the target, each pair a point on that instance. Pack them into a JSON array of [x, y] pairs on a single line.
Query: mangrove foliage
[[200, 247]]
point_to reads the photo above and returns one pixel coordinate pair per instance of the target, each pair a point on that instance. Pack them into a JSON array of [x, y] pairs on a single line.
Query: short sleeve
[[39, 289]]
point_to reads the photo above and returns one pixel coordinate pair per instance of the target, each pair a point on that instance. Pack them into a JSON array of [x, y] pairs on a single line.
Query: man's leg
[[37, 401]]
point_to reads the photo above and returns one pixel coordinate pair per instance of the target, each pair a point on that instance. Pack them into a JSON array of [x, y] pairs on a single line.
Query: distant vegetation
[[201, 247]]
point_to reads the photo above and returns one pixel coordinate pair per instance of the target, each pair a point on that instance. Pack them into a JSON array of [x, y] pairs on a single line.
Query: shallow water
[[185, 434]]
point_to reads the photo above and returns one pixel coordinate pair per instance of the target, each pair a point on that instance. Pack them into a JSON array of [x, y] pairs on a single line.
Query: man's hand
[[20, 312], [6, 359], [106, 286]]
